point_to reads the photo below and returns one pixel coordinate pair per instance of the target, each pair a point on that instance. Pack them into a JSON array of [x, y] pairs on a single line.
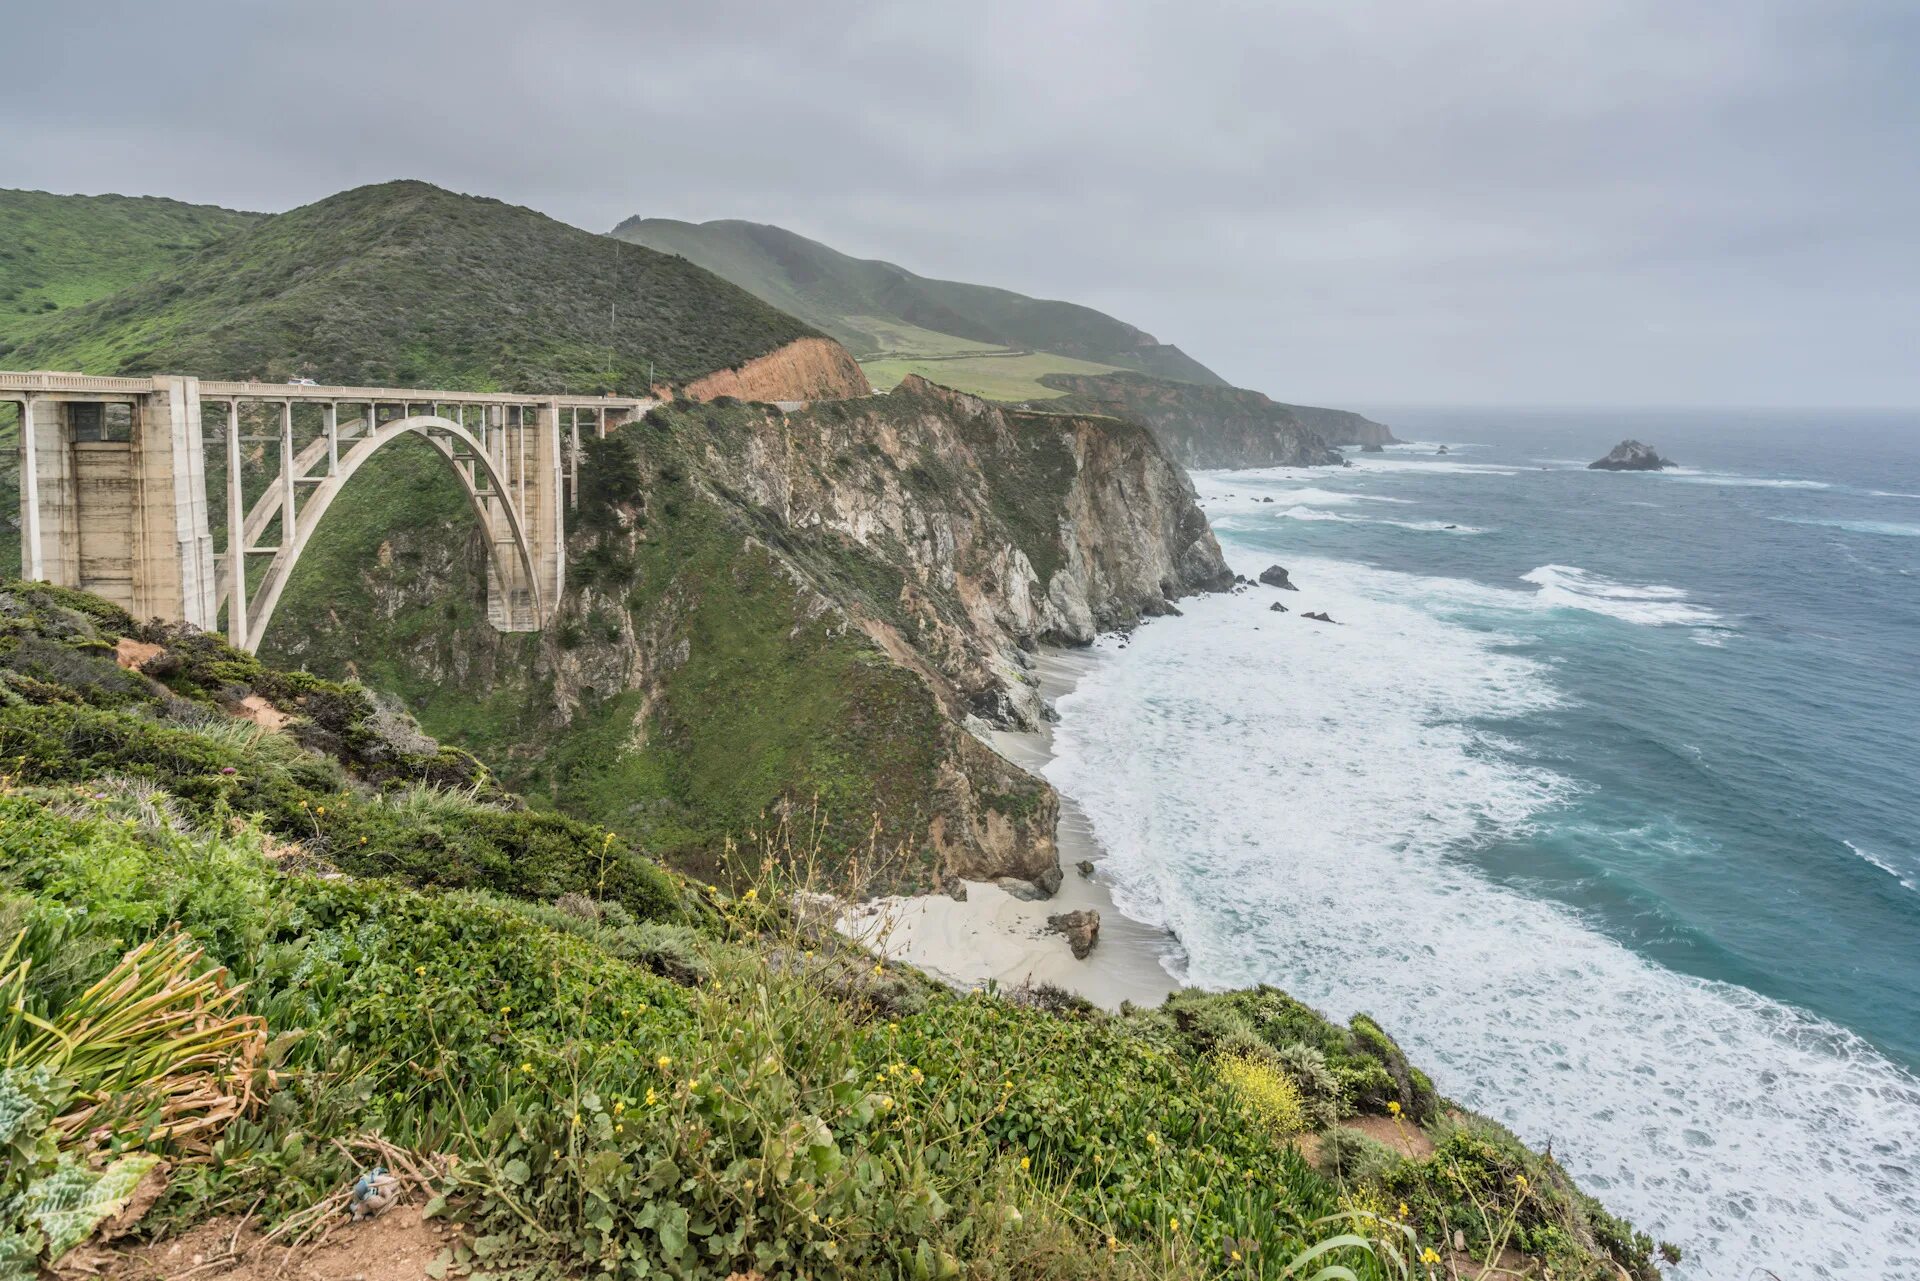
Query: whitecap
[[1884, 866], [1648, 605], [1741, 482], [1299, 820], [1890, 528]]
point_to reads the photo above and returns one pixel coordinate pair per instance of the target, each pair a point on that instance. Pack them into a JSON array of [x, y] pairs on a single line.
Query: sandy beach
[[997, 937]]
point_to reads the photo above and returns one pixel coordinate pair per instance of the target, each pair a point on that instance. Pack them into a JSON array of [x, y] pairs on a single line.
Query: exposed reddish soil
[[804, 369]]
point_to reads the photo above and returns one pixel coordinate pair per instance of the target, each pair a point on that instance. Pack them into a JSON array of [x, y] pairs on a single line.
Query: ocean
[[1602, 793]]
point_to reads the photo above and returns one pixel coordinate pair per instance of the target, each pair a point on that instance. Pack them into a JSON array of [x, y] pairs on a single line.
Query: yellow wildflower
[[526, 1067], [1026, 1163], [1394, 1107], [663, 1062], [1403, 1209], [1427, 1256], [1175, 1225]]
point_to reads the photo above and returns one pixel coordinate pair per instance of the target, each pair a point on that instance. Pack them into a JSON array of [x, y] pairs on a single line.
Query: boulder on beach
[[1372, 448], [1441, 450], [1082, 928], [1275, 576], [1085, 867], [1631, 455], [1317, 617], [1277, 608]]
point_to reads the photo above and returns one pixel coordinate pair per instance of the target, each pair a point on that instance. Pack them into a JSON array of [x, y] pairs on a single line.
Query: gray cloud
[[1486, 201]]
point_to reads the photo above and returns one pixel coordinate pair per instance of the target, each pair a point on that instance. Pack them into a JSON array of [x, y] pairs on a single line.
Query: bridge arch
[[512, 557]]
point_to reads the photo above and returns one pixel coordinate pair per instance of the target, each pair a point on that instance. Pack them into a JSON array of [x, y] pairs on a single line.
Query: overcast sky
[[1477, 201]]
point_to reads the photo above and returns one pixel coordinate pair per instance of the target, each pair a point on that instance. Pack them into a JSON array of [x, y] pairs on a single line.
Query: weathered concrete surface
[[122, 510]]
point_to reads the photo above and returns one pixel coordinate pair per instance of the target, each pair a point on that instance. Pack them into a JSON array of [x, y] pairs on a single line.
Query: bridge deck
[[15, 386]]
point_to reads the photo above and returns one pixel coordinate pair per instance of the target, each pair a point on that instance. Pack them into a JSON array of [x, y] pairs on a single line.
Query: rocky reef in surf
[[1631, 455]]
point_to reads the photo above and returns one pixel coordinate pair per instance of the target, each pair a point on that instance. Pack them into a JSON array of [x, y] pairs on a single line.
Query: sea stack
[[1276, 576], [1631, 455]]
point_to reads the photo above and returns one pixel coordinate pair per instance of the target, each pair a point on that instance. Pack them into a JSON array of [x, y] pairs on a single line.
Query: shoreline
[[995, 937]]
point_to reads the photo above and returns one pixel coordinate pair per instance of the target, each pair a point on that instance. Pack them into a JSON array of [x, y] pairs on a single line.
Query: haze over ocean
[[1607, 782]]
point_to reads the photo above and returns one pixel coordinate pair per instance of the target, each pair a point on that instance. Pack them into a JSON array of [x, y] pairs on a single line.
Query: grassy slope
[[660, 1074], [998, 375], [59, 252], [873, 306], [406, 284]]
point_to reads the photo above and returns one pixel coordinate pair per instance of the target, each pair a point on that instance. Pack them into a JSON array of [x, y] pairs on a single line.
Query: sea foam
[[1301, 821], [1650, 605]]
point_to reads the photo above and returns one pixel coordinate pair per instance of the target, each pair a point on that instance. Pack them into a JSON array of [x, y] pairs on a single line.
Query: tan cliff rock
[[805, 369], [831, 602]]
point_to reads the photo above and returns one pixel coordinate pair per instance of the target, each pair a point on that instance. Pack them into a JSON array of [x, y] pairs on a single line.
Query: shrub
[[1266, 1092], [1352, 1157]]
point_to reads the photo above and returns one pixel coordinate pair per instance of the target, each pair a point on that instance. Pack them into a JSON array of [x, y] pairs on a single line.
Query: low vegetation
[[611, 1069], [1000, 374], [886, 312], [60, 252], [405, 284]]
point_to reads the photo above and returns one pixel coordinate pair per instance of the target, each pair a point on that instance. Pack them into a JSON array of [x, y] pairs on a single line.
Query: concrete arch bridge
[[114, 485]]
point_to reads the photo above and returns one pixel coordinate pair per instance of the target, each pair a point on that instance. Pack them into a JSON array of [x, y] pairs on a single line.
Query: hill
[[255, 926], [60, 252], [406, 284], [897, 322]]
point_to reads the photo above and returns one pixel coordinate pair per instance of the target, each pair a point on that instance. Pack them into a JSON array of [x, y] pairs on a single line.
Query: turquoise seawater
[[1603, 793]]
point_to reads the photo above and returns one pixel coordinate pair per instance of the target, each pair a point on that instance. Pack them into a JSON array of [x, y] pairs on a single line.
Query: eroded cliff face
[[807, 615], [805, 369], [1220, 426]]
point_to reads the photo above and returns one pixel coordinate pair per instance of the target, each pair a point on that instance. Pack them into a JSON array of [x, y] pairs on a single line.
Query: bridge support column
[[530, 460], [115, 488]]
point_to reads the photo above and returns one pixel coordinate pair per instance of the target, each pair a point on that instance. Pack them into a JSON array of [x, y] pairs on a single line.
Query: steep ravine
[[774, 614]]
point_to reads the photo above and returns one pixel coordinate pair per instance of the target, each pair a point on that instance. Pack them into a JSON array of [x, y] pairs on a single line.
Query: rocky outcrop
[[1276, 576], [1343, 426], [1631, 455], [1372, 447], [805, 369], [775, 615], [1199, 426], [1081, 928]]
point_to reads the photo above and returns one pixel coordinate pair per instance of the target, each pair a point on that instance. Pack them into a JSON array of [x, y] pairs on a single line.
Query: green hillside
[[275, 958], [407, 284], [59, 252], [885, 313]]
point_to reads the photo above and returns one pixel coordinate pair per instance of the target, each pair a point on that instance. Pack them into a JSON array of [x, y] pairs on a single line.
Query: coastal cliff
[[770, 610], [1219, 426]]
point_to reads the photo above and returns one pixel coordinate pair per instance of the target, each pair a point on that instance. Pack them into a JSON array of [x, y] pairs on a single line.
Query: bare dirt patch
[[261, 712], [397, 1246], [1404, 1137], [131, 653]]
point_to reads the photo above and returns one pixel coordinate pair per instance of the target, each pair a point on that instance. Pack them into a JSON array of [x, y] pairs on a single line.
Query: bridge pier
[[114, 498]]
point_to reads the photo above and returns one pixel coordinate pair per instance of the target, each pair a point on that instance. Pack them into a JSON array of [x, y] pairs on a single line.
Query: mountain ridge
[[847, 297]]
